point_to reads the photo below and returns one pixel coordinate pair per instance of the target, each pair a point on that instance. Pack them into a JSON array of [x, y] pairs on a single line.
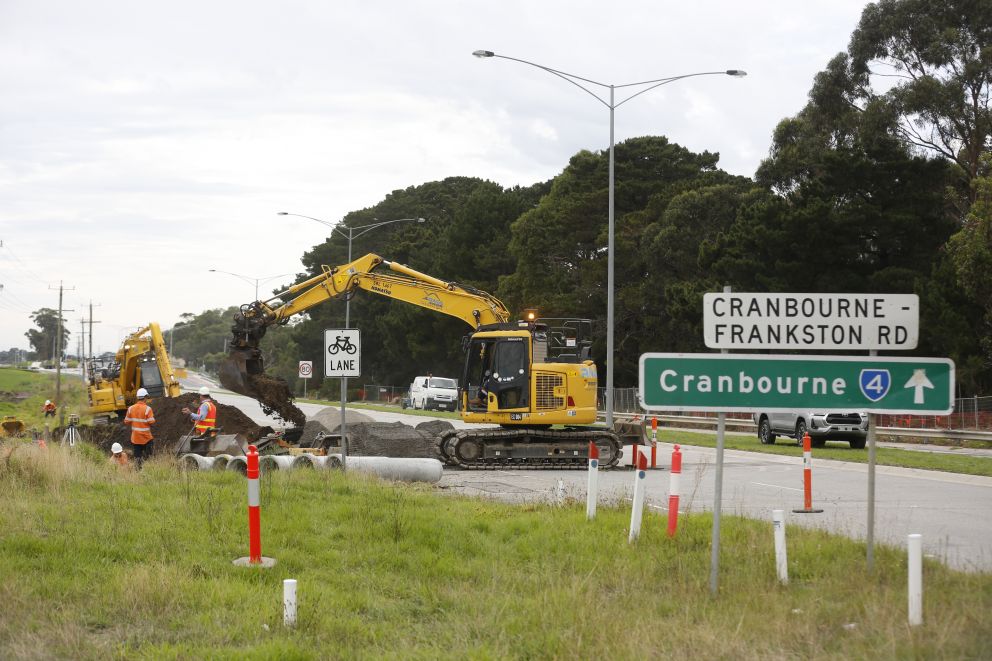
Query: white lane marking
[[776, 486]]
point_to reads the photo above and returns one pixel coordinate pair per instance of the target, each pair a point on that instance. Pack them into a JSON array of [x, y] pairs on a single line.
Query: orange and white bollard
[[254, 558], [592, 492], [807, 478], [654, 441], [637, 511], [674, 485]]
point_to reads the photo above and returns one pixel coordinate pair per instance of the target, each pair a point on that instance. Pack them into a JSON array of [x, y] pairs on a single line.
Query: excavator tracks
[[525, 448]]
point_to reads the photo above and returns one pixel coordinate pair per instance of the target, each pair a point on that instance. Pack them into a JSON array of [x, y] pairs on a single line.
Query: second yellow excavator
[[525, 376], [141, 362]]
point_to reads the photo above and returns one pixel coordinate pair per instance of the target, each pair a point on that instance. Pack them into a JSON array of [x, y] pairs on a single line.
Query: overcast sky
[[143, 143]]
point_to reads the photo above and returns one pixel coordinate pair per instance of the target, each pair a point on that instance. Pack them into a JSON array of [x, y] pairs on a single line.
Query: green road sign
[[746, 383]]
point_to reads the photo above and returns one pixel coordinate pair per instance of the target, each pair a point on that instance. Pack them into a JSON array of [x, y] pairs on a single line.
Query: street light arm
[[369, 228], [333, 226], [664, 81], [250, 281], [567, 77]]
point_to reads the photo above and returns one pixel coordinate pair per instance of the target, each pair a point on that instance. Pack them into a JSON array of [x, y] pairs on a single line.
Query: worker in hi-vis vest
[[206, 416], [141, 418]]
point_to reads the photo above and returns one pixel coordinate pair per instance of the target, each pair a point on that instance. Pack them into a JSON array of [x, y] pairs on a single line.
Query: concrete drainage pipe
[[394, 468], [195, 462], [312, 461], [221, 461], [271, 462], [238, 465]]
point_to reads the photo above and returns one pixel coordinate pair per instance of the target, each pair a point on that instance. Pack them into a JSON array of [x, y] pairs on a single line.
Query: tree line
[[882, 183]]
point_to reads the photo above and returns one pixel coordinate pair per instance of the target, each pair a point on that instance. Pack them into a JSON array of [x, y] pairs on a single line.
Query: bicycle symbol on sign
[[343, 343]]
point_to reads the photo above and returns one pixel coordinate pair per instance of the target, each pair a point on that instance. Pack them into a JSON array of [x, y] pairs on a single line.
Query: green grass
[[968, 465], [38, 386], [97, 563]]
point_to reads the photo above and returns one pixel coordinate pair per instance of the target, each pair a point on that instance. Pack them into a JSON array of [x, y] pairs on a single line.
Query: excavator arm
[[370, 273]]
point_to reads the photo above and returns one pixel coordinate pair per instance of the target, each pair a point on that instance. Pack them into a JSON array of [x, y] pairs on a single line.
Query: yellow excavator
[[525, 376], [141, 362]]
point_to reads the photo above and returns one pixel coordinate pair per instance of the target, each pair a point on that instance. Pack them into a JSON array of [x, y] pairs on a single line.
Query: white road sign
[[884, 322], [342, 352], [306, 369]]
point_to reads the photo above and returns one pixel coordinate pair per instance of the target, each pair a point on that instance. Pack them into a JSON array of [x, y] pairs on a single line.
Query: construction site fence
[[383, 394]]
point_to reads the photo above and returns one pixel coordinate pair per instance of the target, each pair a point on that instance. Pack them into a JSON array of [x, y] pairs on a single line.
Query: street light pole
[[347, 307], [350, 236], [612, 104]]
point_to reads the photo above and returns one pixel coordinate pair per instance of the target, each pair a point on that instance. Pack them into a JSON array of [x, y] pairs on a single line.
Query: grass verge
[[23, 393], [99, 563]]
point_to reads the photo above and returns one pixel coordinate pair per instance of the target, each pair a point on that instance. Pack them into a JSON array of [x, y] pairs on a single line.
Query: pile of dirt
[[310, 431], [389, 439], [171, 424], [275, 397], [434, 428], [330, 417]]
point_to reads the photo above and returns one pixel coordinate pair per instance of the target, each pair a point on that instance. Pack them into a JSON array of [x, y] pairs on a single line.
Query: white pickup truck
[[850, 426], [434, 392]]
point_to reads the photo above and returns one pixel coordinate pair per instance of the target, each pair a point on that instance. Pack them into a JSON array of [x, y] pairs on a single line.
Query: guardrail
[[740, 424]]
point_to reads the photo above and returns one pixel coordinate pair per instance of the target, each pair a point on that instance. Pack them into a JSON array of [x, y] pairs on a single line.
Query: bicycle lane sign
[[342, 352]]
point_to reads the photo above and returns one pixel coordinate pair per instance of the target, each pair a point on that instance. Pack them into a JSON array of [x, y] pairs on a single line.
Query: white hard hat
[[142, 393], [47, 402], [116, 448], [204, 390]]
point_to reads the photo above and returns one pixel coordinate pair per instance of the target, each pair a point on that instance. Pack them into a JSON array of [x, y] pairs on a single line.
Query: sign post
[[863, 322], [343, 359], [306, 371]]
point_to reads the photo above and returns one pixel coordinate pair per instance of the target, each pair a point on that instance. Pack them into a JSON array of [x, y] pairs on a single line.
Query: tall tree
[[970, 251], [940, 56], [43, 337]]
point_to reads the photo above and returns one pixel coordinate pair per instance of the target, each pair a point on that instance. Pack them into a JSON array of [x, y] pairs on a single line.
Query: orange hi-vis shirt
[[140, 417], [206, 419]]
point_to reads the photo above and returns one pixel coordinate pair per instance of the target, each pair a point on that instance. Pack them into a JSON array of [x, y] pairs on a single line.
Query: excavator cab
[[499, 367]]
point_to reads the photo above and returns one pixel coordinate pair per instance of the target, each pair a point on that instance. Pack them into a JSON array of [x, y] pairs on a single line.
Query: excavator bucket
[[234, 371]]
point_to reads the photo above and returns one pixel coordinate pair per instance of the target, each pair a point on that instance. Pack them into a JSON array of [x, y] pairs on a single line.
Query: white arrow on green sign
[[746, 383]]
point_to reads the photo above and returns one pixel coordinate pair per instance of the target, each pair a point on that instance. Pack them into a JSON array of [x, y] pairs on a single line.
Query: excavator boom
[[243, 370]]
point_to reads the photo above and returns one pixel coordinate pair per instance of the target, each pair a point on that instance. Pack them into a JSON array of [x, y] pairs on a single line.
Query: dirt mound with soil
[[171, 424], [330, 417], [310, 431], [389, 439], [434, 428]]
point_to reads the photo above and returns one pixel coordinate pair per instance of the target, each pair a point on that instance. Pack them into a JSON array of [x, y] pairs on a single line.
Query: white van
[[434, 392]]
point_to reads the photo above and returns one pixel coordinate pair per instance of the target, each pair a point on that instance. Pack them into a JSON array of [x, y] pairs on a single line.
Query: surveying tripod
[[71, 434]]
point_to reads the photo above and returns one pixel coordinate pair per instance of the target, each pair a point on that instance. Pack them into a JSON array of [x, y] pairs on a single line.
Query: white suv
[[822, 426], [434, 392]]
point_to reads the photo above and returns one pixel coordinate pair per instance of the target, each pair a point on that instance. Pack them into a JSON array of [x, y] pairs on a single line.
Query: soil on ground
[[392, 439], [170, 424]]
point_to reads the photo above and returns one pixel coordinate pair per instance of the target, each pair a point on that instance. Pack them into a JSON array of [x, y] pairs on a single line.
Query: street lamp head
[[737, 73], [483, 53], [282, 213], [419, 220]]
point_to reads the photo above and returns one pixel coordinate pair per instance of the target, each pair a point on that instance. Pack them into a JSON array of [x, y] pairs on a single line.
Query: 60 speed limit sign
[[306, 369]]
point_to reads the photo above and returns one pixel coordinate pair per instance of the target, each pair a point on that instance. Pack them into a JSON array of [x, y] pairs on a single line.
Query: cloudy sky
[[143, 143]]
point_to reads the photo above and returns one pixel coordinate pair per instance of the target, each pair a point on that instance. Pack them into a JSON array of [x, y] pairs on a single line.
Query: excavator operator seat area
[[151, 379], [500, 368]]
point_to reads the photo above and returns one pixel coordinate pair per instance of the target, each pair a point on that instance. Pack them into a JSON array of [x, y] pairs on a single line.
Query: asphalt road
[[951, 511]]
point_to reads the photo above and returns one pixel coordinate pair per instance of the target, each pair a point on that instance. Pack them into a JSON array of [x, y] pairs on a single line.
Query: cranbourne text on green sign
[[727, 382]]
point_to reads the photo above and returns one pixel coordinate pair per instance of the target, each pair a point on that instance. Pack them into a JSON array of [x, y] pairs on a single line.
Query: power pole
[[58, 356], [91, 330]]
